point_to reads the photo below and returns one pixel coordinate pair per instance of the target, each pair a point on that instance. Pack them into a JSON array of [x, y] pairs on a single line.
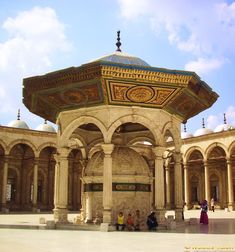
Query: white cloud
[[35, 37], [215, 120], [206, 29], [202, 65]]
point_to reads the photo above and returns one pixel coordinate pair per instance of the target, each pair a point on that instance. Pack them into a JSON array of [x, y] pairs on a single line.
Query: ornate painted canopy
[[118, 81]]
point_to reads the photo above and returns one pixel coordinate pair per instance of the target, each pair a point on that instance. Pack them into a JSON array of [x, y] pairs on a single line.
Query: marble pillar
[[4, 185], [186, 186], [107, 183], [168, 185], [178, 187], [230, 186], [159, 184], [35, 184], [61, 189], [207, 181]]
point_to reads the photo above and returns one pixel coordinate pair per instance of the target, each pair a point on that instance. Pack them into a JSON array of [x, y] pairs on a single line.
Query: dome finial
[[203, 123], [225, 121], [118, 44], [185, 130], [18, 114]]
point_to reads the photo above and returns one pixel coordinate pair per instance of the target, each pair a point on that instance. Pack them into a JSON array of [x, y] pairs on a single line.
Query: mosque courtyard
[[22, 232]]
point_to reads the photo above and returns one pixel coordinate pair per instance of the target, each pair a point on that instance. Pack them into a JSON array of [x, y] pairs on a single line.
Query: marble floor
[[218, 236]]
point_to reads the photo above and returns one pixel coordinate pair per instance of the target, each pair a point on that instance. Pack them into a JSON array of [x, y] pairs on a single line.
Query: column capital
[[107, 148], [229, 161], [36, 160], [205, 162], [158, 151], [177, 157]]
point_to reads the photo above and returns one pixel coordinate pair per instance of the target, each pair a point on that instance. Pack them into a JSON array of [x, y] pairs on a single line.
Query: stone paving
[[218, 236]]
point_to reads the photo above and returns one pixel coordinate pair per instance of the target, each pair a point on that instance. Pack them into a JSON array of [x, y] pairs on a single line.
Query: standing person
[[204, 216], [120, 222], [152, 222], [130, 223], [212, 204], [137, 220]]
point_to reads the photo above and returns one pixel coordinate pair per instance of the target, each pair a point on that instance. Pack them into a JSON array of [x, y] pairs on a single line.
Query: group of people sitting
[[134, 223]]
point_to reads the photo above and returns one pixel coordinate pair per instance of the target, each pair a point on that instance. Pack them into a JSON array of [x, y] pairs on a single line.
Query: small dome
[[123, 58], [202, 131], [45, 127], [224, 126], [185, 135], [18, 124]]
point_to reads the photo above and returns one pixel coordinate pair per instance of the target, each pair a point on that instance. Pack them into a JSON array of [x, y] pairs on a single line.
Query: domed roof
[[224, 126], [45, 127], [123, 58], [18, 123], [125, 161], [202, 131], [185, 134]]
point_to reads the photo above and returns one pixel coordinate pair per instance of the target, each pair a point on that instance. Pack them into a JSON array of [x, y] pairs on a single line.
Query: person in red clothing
[[204, 216], [130, 223]]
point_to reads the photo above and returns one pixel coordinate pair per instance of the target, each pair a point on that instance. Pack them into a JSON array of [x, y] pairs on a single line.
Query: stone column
[[159, 184], [168, 185], [89, 216], [107, 183], [35, 184], [4, 185], [61, 189], [186, 187], [83, 164], [207, 181], [230, 185], [178, 187]]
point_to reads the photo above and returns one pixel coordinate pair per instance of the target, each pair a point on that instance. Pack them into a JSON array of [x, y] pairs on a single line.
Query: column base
[[231, 207], [107, 216], [160, 215], [178, 215], [60, 215]]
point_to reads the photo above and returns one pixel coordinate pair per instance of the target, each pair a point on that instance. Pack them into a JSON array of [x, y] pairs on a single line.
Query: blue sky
[[37, 37]]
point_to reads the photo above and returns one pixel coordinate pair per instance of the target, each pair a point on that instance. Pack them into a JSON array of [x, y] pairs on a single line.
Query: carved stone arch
[[22, 141], [174, 132], [4, 146], [66, 134], [141, 139], [93, 150], [136, 119], [45, 145], [214, 145], [231, 149], [190, 151], [76, 143]]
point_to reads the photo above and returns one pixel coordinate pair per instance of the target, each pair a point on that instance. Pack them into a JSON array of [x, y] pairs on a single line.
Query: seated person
[[120, 222], [130, 223], [152, 222]]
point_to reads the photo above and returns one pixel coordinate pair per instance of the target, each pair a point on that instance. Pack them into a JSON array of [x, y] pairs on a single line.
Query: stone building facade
[[118, 146]]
